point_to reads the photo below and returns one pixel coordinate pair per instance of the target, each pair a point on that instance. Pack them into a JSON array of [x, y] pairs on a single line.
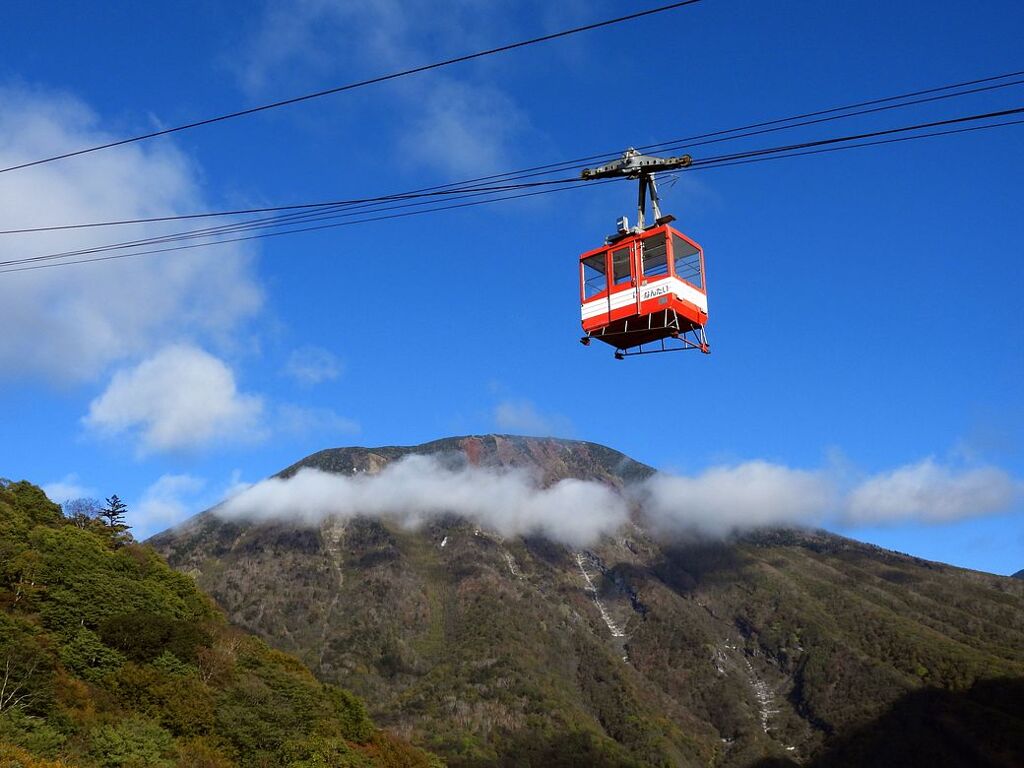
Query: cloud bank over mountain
[[931, 493], [420, 488], [724, 499], [716, 502]]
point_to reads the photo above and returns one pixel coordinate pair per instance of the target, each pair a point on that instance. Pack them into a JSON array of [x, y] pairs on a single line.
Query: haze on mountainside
[[497, 641]]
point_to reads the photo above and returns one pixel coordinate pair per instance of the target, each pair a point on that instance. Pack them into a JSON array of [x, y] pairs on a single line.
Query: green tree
[[85, 654], [135, 742], [144, 635], [114, 512]]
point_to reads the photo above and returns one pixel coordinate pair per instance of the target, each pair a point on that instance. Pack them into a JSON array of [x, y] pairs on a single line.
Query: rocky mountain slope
[[775, 648]]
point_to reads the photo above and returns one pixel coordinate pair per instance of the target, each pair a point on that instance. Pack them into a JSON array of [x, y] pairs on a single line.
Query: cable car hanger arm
[[634, 165]]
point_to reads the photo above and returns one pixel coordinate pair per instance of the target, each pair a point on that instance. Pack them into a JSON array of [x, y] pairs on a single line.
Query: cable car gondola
[[644, 290]]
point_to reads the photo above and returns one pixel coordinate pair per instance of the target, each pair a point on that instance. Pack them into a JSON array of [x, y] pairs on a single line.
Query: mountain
[[1019, 574], [110, 659], [779, 647]]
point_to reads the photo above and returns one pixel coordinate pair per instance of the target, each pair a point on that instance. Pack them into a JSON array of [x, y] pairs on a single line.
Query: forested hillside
[[110, 659]]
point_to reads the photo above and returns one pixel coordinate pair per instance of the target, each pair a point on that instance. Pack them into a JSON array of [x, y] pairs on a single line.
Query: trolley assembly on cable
[[644, 290]]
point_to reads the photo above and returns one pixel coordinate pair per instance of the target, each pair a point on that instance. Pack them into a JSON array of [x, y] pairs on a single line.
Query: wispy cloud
[[462, 129], [169, 500], [69, 488], [456, 123], [173, 498], [300, 421], [519, 416], [311, 365]]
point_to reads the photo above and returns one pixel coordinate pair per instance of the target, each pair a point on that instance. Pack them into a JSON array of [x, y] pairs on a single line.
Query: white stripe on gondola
[[621, 299]]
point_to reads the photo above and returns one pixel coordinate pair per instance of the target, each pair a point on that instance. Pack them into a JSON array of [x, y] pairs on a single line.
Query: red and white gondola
[[645, 289]]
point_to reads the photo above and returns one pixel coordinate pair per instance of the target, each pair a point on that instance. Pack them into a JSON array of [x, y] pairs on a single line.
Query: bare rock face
[[776, 648]]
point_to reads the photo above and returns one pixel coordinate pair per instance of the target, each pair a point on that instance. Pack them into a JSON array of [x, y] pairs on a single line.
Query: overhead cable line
[[276, 221], [445, 189], [322, 211], [855, 137], [753, 129], [880, 142], [685, 143], [847, 107], [578, 184], [708, 162], [359, 84], [770, 153]]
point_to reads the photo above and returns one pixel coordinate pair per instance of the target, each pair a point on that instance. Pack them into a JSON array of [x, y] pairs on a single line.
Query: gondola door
[[594, 293], [622, 293]]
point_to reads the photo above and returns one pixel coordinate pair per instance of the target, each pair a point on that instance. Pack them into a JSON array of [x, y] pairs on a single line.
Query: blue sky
[[864, 306]]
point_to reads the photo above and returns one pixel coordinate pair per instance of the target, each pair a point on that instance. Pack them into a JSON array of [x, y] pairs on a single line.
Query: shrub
[[143, 636], [133, 743]]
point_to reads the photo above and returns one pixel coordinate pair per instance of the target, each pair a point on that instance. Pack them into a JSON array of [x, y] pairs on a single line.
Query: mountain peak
[[634, 650], [554, 458]]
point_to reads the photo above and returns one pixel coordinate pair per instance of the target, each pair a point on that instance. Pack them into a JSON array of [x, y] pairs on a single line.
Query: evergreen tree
[[114, 512]]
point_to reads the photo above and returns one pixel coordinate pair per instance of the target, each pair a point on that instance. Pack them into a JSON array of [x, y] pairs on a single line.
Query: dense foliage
[[110, 659]]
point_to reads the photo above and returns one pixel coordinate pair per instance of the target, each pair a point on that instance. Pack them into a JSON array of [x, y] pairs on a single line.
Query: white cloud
[[69, 324], [419, 488], [68, 489], [180, 398], [725, 499], [717, 502], [169, 500], [312, 365], [931, 493], [758, 494], [298, 420], [523, 417]]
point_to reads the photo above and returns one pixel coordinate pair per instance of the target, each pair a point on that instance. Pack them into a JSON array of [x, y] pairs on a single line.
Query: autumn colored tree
[[83, 513]]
